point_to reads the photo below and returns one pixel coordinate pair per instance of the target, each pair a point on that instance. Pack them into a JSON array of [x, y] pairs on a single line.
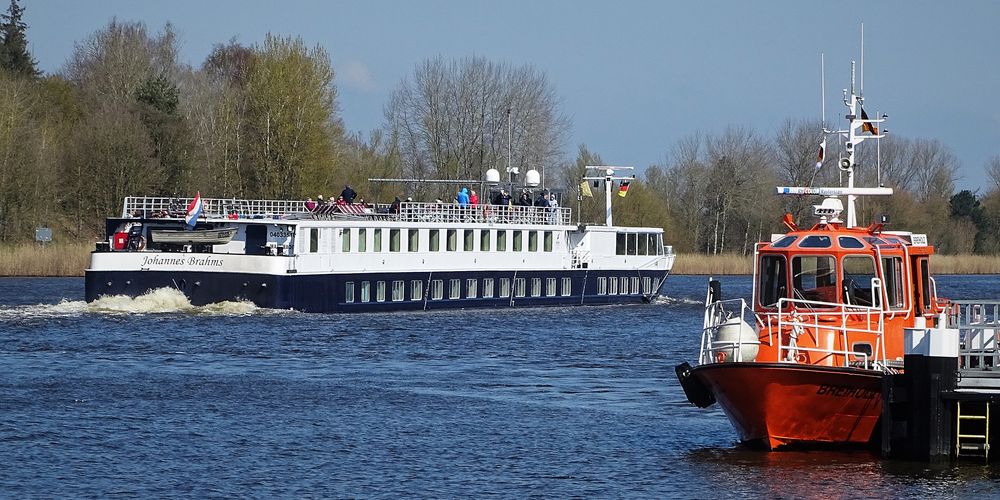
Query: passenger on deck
[[543, 200], [341, 201], [310, 204], [394, 208], [503, 198], [348, 194], [553, 209], [473, 198], [525, 199], [463, 197], [320, 200]]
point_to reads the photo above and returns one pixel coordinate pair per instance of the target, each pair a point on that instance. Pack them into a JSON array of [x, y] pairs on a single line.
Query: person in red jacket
[[473, 199]]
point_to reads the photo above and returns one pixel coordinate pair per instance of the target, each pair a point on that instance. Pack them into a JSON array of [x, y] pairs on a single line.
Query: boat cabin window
[[501, 241], [345, 238], [362, 239], [874, 241], [784, 242], [435, 243], [925, 286], [548, 241], [414, 241], [394, 240], [517, 241], [533, 241], [893, 281], [378, 240], [313, 240], [620, 244], [484, 240], [816, 241], [643, 245], [813, 277], [850, 242], [452, 240], [773, 280], [631, 241], [469, 240], [858, 271]]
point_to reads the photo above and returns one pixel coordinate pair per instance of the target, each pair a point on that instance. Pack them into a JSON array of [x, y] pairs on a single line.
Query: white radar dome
[[532, 178], [493, 176]]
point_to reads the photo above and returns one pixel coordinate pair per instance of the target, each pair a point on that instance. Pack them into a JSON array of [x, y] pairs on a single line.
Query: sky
[[634, 77]]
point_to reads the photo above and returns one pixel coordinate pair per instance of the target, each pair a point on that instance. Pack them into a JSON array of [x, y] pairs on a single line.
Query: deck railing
[[978, 322], [168, 207]]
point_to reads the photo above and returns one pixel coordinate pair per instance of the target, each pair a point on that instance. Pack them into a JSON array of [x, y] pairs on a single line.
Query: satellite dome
[[532, 178]]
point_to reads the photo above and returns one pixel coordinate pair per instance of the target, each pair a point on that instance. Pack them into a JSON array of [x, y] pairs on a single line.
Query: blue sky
[[634, 76]]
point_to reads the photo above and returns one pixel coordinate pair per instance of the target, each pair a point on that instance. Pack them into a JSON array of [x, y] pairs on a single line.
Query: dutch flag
[[193, 211]]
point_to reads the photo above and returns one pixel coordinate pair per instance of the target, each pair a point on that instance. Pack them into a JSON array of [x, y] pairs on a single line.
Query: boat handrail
[[796, 316], [172, 207], [978, 323]]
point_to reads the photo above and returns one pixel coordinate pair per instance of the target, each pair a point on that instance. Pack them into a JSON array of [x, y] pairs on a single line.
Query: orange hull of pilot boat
[[828, 311]]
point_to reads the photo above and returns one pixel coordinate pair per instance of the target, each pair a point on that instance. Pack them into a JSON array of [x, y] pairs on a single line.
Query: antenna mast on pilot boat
[[860, 129]]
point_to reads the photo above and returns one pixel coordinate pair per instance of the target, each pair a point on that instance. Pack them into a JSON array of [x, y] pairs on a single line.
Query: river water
[[155, 398]]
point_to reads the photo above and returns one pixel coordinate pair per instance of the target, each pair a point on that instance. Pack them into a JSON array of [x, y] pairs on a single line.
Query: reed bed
[[54, 259], [713, 265], [965, 264]]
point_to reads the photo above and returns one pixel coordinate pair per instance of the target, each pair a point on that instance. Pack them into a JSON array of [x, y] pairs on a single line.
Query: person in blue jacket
[[463, 197]]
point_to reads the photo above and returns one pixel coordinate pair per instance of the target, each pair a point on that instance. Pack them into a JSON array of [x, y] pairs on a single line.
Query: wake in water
[[158, 301], [663, 299]]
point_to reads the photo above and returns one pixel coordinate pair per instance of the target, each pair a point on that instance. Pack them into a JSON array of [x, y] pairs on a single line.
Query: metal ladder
[[973, 444]]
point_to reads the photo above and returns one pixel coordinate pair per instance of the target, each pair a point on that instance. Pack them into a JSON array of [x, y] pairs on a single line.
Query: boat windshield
[[858, 271], [813, 278]]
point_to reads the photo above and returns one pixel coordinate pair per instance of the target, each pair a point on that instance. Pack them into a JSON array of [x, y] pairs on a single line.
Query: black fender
[[696, 391]]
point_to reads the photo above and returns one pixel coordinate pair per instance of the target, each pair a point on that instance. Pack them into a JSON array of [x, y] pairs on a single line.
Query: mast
[[608, 177]]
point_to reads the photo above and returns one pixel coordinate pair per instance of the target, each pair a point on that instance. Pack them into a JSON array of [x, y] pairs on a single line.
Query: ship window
[[469, 239], [816, 241], [656, 285], [484, 240], [620, 244], [377, 236], [452, 240], [659, 244], [857, 280], [313, 240], [504, 287], [471, 286], [345, 239], [501, 241], [398, 290], [849, 242], [532, 241], [349, 292], [414, 244], [487, 288], [654, 249], [925, 286], [773, 280], [517, 240], [635, 285], [435, 244], [631, 240], [862, 348], [567, 287], [519, 287], [893, 282], [784, 242], [536, 287], [362, 239], [647, 285], [602, 286], [872, 240], [416, 290], [643, 246], [365, 291], [380, 291], [455, 289], [613, 288], [437, 289], [624, 285], [550, 287], [548, 241], [814, 278], [394, 240]]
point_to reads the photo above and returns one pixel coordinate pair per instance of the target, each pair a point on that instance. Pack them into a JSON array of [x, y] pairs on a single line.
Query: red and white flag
[[822, 154]]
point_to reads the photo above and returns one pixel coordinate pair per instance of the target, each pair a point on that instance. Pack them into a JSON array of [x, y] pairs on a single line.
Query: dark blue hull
[[328, 293]]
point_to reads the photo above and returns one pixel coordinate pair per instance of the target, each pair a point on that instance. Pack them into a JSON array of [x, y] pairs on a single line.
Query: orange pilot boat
[[803, 362]]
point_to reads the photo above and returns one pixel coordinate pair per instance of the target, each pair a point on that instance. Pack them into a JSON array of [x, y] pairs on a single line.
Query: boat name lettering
[[157, 260], [841, 391], [280, 234]]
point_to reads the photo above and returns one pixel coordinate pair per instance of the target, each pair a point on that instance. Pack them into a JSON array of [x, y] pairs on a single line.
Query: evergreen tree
[[14, 54]]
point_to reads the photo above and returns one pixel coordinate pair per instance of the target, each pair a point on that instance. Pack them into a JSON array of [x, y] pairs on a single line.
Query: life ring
[[720, 357]]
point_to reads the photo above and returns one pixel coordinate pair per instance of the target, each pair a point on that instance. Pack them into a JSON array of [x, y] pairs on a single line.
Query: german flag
[[866, 126], [623, 189]]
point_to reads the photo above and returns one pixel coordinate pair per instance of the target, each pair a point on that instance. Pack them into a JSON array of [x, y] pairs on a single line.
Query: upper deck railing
[[167, 207]]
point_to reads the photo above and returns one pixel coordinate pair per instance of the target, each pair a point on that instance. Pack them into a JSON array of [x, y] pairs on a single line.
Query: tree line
[[124, 117]]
